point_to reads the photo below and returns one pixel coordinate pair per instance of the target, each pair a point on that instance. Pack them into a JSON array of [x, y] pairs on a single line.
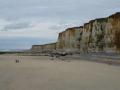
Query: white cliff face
[[36, 48], [45, 47], [98, 35], [69, 39]]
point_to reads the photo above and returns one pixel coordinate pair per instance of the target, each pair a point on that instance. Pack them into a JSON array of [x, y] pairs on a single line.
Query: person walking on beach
[[17, 61]]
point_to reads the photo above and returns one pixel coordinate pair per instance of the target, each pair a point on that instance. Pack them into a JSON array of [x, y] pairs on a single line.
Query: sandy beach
[[41, 73]]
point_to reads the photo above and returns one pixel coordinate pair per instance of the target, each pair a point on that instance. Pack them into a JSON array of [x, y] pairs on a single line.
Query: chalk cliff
[[42, 48], [69, 39], [102, 34], [99, 35]]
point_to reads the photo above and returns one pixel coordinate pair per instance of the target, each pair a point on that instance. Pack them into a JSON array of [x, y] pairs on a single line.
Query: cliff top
[[43, 44], [72, 28], [116, 15]]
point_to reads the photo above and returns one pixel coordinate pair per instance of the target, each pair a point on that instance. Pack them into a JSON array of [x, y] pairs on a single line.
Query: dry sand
[[41, 73]]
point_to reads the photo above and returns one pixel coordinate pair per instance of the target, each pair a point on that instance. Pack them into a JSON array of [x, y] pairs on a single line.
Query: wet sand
[[41, 73]]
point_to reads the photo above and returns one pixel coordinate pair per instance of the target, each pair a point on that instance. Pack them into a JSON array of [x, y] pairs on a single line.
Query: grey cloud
[[16, 26]]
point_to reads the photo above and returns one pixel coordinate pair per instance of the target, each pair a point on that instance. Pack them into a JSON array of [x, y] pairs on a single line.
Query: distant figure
[[17, 61]]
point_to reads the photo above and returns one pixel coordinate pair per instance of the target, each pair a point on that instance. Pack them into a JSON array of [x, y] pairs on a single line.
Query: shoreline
[[110, 60]]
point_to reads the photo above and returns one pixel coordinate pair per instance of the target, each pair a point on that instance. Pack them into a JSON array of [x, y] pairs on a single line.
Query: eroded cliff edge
[[99, 35]]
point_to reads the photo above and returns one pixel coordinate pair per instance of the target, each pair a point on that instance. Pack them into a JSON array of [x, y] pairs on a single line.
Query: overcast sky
[[27, 22]]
